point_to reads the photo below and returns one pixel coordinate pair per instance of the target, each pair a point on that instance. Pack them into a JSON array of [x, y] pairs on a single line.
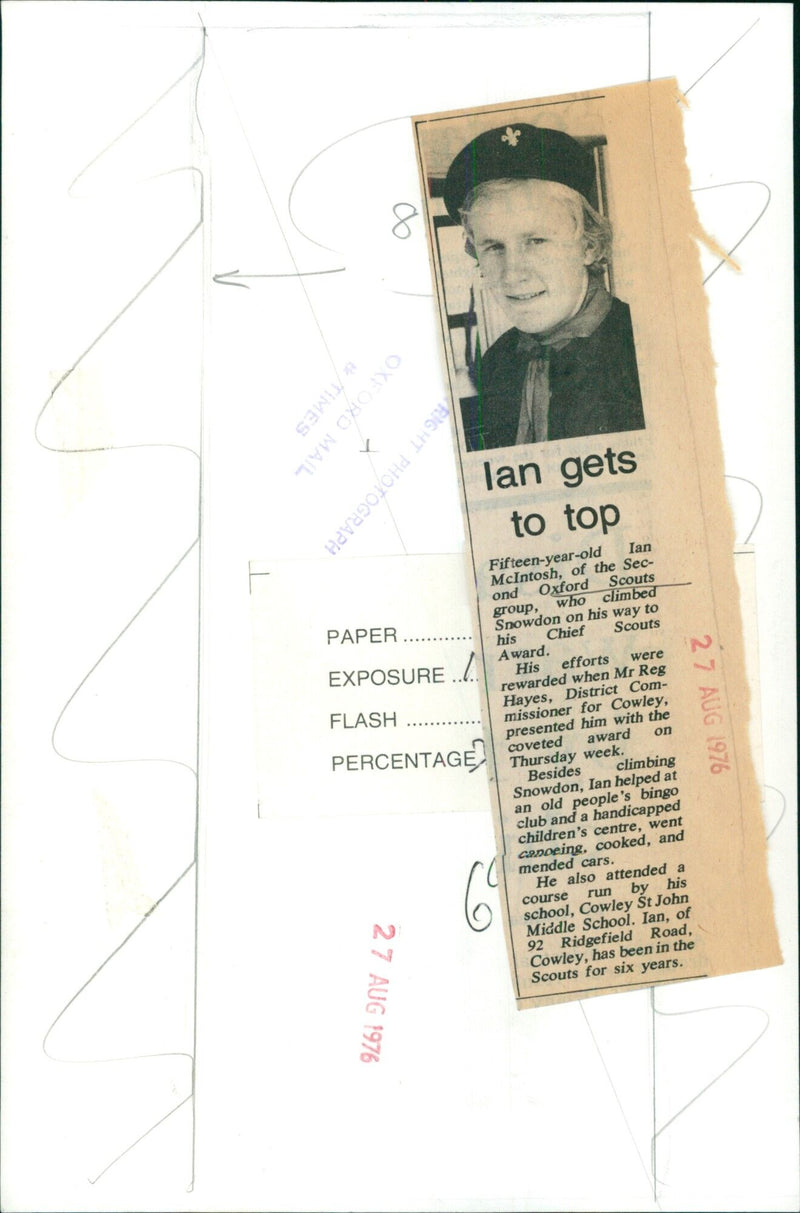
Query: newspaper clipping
[[606, 612]]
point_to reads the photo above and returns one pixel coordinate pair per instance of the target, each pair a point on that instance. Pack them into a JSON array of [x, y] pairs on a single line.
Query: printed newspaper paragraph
[[615, 704]]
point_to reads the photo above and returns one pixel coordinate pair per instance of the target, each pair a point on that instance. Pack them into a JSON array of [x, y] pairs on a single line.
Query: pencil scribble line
[[96, 340], [783, 808], [728, 1067], [136, 121], [744, 480], [192, 169], [99, 970], [728, 185], [223, 279], [311, 307], [202, 61], [686, 91], [307, 165], [128, 1149], [199, 654], [102, 657], [616, 1096], [349, 135], [649, 44]]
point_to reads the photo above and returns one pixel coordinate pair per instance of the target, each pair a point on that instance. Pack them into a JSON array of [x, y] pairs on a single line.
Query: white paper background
[[100, 814]]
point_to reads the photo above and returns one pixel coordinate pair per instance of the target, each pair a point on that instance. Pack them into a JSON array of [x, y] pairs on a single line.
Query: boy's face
[[532, 257]]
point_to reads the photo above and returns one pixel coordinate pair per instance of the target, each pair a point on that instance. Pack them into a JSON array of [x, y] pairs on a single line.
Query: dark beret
[[519, 151]]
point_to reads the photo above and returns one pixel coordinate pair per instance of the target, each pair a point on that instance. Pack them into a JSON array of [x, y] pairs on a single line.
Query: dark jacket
[[594, 386]]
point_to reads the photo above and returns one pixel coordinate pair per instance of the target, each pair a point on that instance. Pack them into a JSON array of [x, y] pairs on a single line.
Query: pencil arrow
[[234, 277]]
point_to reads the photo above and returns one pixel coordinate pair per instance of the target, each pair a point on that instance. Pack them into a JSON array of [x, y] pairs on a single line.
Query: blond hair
[[590, 226]]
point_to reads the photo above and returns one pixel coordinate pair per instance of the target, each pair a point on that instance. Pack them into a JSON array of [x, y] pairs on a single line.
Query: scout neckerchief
[[535, 350]]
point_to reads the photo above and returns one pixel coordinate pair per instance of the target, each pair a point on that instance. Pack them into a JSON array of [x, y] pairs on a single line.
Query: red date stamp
[[377, 991], [711, 707]]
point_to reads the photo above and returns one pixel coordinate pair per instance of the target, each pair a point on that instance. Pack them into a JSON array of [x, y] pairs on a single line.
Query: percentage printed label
[[377, 991], [711, 707]]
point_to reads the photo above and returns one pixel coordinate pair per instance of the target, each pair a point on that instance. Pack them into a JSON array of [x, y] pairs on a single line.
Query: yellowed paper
[[614, 696]]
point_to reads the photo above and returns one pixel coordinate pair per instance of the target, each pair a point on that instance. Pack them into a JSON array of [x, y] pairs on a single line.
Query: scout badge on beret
[[519, 151]]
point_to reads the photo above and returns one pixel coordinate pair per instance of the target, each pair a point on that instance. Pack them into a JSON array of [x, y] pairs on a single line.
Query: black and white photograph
[[542, 347]]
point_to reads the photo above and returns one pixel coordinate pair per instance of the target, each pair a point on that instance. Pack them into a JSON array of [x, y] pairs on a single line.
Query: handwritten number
[[387, 957], [401, 229], [478, 741], [376, 931], [473, 913], [700, 644]]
